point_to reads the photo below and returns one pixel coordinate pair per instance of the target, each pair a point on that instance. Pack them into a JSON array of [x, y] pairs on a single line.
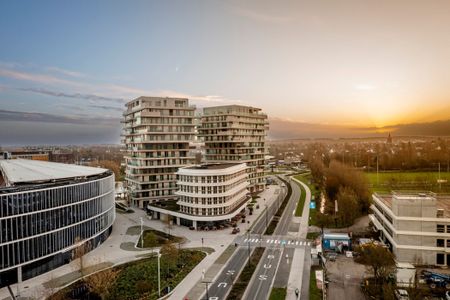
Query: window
[[448, 228], [448, 243], [440, 259], [440, 242], [440, 228], [440, 213]]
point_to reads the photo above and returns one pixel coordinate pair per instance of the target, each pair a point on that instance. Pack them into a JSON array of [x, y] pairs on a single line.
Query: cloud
[[119, 109], [75, 95], [40, 78], [20, 116], [261, 17], [66, 72]]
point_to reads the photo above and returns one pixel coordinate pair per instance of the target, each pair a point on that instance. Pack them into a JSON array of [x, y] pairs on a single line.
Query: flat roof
[[442, 201], [212, 166], [28, 171], [336, 236]]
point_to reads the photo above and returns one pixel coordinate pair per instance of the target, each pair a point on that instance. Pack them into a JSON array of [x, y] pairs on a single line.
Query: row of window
[[35, 200], [210, 179], [207, 190], [25, 226], [35, 248], [199, 211]]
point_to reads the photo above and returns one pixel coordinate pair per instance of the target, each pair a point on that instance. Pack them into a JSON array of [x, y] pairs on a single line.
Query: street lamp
[[159, 274], [142, 232], [206, 287]]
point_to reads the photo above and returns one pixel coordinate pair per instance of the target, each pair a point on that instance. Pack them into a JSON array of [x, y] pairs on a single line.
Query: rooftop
[[29, 171], [212, 166], [442, 201]]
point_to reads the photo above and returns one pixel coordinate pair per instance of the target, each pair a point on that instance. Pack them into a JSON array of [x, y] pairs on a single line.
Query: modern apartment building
[[208, 195], [416, 226], [157, 132], [47, 210], [236, 133]]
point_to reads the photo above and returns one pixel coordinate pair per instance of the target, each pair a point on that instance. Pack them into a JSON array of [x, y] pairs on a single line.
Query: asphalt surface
[[219, 288], [274, 262]]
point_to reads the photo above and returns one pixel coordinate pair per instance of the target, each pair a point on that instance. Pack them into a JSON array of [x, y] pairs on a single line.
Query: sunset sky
[[67, 67]]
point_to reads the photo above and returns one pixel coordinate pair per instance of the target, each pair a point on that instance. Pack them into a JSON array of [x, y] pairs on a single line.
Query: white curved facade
[[212, 190], [40, 223]]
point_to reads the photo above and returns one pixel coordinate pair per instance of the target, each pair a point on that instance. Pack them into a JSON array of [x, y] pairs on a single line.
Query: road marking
[[270, 256], [271, 241], [245, 240], [222, 284], [267, 266], [230, 272], [296, 243], [309, 243], [289, 242], [268, 241], [213, 298], [262, 277]]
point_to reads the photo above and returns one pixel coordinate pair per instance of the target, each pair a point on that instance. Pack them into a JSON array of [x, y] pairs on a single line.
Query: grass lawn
[[278, 294], [306, 179], [154, 238], [387, 181], [314, 292], [244, 278], [301, 201], [139, 280]]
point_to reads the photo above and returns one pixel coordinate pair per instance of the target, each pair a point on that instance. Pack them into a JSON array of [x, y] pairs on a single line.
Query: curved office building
[[48, 209]]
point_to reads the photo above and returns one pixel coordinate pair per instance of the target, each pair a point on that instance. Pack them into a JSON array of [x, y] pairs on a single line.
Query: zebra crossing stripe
[[296, 243], [309, 243]]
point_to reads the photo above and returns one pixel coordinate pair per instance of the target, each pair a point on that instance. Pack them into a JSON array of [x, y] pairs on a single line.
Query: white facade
[[212, 190], [417, 226], [236, 133], [42, 222], [157, 132]]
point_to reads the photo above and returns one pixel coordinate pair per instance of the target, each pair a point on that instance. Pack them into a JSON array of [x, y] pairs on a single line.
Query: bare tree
[[78, 253], [101, 282]]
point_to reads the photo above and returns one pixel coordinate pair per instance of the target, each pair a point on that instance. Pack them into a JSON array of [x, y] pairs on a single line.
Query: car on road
[[236, 230]]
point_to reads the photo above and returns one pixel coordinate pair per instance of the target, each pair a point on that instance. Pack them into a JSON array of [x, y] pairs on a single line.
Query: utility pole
[[142, 232]]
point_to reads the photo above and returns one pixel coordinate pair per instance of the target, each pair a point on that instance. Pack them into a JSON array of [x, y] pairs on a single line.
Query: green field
[[306, 179], [278, 294], [387, 181]]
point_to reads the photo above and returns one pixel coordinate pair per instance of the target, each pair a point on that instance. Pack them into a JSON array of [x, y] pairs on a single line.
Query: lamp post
[[206, 287], [248, 246], [142, 232], [159, 275]]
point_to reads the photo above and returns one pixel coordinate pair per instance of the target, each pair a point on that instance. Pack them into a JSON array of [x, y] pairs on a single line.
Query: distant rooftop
[[29, 171], [442, 200], [212, 166]]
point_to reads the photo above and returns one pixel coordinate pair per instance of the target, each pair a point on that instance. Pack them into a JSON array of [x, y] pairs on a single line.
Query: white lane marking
[[271, 241], [222, 284], [268, 241], [309, 243], [296, 243], [289, 242], [245, 240], [262, 277]]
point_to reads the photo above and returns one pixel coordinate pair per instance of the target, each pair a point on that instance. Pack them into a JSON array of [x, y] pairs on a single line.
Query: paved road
[[274, 259], [284, 241], [219, 289]]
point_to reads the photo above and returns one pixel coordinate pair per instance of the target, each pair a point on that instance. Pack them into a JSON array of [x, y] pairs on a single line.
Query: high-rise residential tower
[[236, 133], [157, 132]]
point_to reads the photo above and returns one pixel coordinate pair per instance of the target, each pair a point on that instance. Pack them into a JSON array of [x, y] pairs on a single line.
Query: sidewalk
[[297, 281], [119, 248], [192, 287]]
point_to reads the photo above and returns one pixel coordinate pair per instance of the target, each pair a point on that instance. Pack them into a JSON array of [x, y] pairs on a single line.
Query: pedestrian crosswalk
[[275, 242]]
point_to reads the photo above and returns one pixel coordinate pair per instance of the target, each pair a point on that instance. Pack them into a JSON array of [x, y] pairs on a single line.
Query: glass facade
[[38, 226]]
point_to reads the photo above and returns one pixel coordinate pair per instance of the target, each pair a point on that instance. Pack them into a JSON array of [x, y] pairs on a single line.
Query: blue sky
[[352, 63]]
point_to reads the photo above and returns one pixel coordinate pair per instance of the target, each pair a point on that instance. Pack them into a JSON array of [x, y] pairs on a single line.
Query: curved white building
[[207, 194], [46, 210]]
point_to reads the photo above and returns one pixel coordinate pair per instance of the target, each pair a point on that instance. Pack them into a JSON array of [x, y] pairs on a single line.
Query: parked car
[[401, 294], [235, 230]]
